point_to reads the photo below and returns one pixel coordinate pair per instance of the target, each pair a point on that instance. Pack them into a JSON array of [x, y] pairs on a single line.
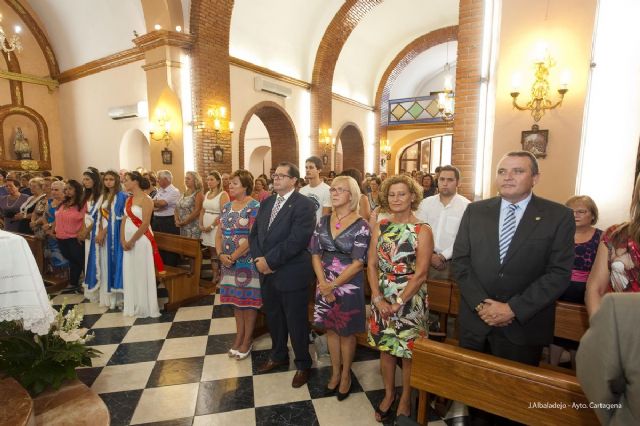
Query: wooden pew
[[52, 282], [572, 321], [182, 285], [499, 386]]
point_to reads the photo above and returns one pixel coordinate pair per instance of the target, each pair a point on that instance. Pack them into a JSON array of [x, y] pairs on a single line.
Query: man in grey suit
[[607, 361], [512, 259]]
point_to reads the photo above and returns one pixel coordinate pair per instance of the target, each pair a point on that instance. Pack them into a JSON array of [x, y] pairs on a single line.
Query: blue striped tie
[[507, 231]]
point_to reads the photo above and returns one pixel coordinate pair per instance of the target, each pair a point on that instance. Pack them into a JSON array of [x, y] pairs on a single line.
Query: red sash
[[157, 260]]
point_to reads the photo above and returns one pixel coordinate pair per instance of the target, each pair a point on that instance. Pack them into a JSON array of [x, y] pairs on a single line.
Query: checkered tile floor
[[174, 370]]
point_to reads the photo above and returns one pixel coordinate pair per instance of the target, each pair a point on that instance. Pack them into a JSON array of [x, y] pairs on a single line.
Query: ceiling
[[84, 30], [282, 35]]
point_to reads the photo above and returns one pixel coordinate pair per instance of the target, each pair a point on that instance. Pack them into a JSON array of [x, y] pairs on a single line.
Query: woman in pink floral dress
[[339, 249]]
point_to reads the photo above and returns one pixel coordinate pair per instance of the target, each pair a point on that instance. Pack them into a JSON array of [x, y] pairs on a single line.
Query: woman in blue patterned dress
[[397, 269], [339, 250], [240, 283]]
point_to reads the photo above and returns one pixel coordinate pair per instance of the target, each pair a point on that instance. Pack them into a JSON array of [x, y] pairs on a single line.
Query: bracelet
[[377, 299]]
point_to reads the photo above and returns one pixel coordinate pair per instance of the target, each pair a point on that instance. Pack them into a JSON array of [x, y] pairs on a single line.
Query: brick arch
[[352, 142], [282, 133], [333, 40], [395, 68]]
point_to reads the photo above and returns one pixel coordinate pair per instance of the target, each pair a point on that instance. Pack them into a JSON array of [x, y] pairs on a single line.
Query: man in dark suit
[[512, 259], [278, 244]]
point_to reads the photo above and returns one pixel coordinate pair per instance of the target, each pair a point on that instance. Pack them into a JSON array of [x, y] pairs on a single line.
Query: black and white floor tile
[[174, 370]]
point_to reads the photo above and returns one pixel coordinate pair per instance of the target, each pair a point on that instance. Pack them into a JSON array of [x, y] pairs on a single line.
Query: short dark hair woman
[[240, 282]]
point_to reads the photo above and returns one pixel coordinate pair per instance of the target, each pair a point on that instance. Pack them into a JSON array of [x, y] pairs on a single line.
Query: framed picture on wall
[[167, 156], [218, 154], [535, 141]]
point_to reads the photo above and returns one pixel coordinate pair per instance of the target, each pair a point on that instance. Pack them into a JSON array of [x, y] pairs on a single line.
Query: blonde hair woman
[[189, 206], [397, 269], [215, 198], [339, 250]]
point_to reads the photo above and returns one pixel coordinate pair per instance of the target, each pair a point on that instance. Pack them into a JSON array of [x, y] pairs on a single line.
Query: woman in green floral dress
[[397, 270]]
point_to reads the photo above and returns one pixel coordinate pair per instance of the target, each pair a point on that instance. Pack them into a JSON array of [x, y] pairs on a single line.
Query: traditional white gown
[[211, 213], [139, 274]]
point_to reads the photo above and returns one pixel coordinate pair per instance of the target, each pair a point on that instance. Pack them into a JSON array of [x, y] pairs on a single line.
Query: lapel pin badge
[[538, 218]]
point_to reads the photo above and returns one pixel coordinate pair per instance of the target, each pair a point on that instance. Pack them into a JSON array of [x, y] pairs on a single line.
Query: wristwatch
[[479, 307]]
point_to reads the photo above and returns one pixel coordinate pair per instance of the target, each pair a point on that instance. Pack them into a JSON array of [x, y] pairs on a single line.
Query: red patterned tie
[[276, 209]]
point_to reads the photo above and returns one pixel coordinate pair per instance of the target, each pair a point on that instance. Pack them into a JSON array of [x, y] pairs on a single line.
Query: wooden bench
[[572, 321], [52, 282], [496, 385], [183, 285]]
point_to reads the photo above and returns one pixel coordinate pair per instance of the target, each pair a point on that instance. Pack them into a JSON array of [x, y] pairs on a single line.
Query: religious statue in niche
[[21, 146]]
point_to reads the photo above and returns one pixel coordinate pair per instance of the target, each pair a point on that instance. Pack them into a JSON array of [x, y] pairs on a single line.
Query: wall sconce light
[[540, 89], [325, 139], [221, 126], [164, 124], [385, 149]]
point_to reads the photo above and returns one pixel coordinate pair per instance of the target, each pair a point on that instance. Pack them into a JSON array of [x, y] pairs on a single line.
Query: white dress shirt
[[444, 221], [171, 195]]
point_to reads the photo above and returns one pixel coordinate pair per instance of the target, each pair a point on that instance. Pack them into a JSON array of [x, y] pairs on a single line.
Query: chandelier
[[446, 97], [10, 44]]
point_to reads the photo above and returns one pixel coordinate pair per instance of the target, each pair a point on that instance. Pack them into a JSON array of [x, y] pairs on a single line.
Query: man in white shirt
[[317, 190], [164, 205], [443, 213]]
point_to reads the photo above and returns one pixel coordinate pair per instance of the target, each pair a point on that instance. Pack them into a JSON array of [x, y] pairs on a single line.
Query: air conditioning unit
[[262, 85], [129, 111]]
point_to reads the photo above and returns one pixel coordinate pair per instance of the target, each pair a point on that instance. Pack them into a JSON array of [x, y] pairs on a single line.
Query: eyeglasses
[[279, 176], [338, 190], [580, 212]]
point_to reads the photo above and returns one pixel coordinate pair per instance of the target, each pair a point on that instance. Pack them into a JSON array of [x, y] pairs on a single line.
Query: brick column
[[210, 25], [465, 125]]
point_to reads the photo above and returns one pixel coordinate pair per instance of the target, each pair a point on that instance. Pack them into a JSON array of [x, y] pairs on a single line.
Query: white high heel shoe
[[240, 356]]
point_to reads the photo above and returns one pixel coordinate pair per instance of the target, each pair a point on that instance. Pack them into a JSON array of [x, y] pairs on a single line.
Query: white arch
[[260, 160], [134, 150]]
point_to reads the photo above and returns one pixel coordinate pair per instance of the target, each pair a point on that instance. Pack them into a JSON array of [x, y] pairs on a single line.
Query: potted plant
[[40, 362]]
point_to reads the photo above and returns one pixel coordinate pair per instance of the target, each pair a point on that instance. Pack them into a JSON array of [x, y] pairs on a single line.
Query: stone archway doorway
[[280, 135]]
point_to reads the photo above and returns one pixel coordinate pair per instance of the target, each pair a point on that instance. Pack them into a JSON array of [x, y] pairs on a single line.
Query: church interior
[[383, 86]]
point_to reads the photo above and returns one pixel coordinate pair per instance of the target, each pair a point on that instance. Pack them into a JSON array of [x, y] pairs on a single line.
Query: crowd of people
[[273, 239]]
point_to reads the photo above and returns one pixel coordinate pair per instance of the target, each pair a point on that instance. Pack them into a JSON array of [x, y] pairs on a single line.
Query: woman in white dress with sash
[[140, 251], [215, 198], [111, 214], [93, 200]]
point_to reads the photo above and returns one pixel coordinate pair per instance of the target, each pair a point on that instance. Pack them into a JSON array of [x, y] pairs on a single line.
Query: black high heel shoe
[[385, 415], [329, 392], [342, 396]]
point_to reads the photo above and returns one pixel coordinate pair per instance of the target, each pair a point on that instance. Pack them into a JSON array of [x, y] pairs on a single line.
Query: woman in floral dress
[[188, 208], [240, 282], [339, 250], [398, 263]]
